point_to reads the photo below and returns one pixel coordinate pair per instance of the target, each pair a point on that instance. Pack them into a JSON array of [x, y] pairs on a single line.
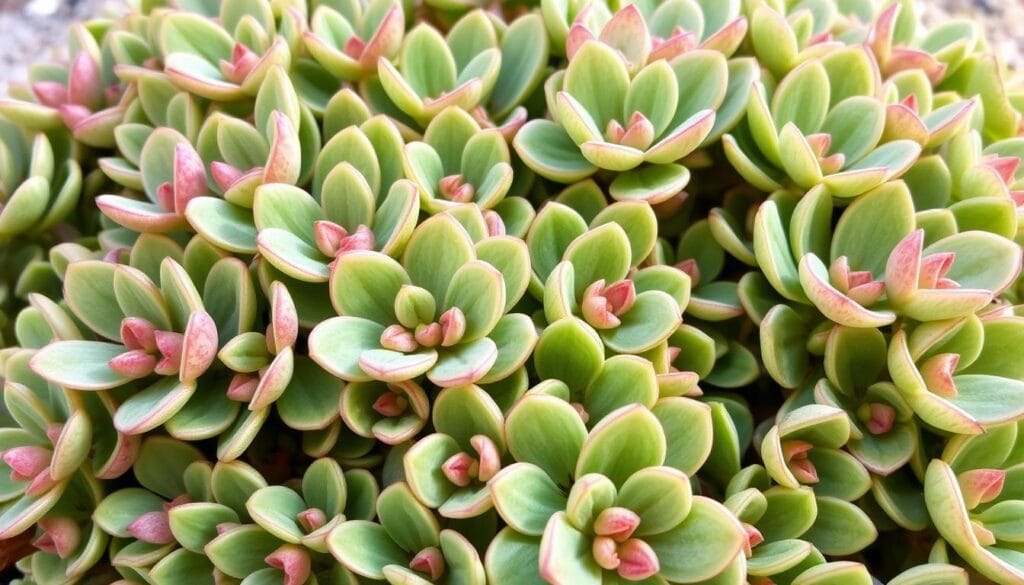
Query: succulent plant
[[674, 291]]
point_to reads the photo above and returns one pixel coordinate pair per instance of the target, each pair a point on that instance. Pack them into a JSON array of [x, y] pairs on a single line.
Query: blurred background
[[31, 30]]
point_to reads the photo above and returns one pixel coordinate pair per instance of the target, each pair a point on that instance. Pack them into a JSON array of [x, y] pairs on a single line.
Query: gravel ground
[[37, 29]]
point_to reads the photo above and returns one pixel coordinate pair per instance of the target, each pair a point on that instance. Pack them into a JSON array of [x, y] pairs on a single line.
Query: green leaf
[[478, 290], [547, 432], [651, 320], [364, 285], [701, 546], [526, 498], [598, 79], [337, 345], [89, 369], [689, 434], [365, 548], [565, 553], [802, 98], [426, 266], [841, 528], [195, 524], [549, 151], [122, 507], [276, 509], [570, 351], [661, 496], [241, 551], [89, 291], [623, 442]]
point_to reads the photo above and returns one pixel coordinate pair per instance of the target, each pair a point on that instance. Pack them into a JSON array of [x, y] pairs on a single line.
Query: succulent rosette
[[82, 95], [442, 314], [435, 71], [406, 545], [975, 503], [448, 470], [578, 514], [459, 163], [41, 183], [348, 39], [606, 118]]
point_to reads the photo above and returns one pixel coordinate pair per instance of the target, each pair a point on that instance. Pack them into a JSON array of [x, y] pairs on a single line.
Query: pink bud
[[165, 196], [242, 387], [293, 560], [225, 527], [429, 561], [398, 338], [495, 225], [614, 132], [1004, 166], [50, 93], [26, 462], [460, 469], [937, 373], [638, 560], [597, 309], [312, 519], [73, 114], [454, 188], [41, 483], [189, 176], [61, 536], [839, 274], [224, 174], [453, 326], [868, 293], [137, 333], [981, 486], [903, 268], [85, 88], [606, 553], [754, 538], [881, 418], [488, 457], [362, 239], [795, 453], [169, 344], [243, 60], [133, 364], [621, 296], [679, 42], [832, 163], [390, 404], [581, 410], [910, 102], [152, 527], [578, 35], [640, 132], [328, 236], [284, 318], [429, 335], [53, 431], [690, 267], [617, 523], [819, 143], [982, 534], [934, 267], [354, 47], [177, 501], [119, 255]]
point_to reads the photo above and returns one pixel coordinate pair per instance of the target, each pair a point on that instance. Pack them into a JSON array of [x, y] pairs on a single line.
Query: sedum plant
[[709, 292]]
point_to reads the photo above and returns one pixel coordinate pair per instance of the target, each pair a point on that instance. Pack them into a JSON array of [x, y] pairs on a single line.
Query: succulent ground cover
[[681, 291]]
